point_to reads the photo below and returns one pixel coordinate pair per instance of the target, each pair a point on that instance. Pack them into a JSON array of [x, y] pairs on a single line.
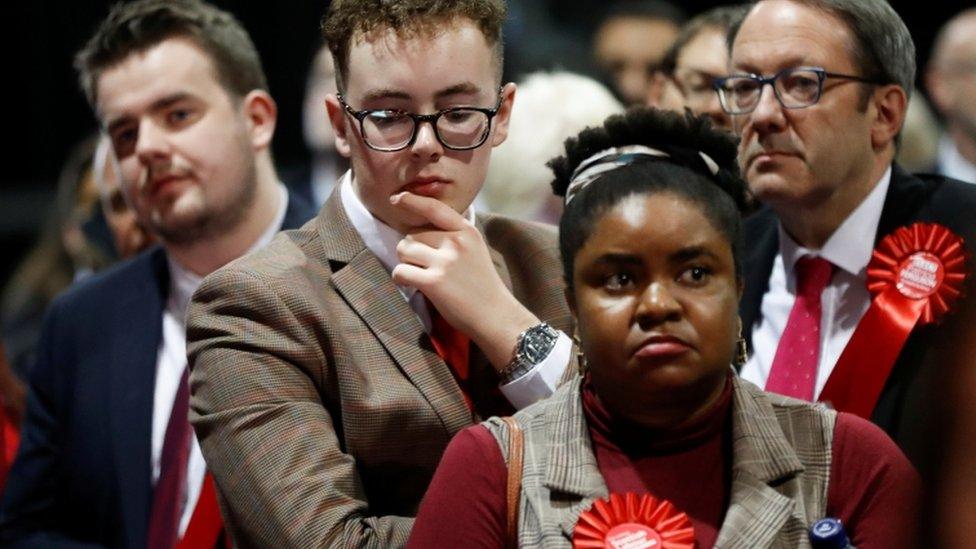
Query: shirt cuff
[[541, 381]]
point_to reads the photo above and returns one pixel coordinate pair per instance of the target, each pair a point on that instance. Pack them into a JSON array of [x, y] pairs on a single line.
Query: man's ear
[[504, 115], [261, 113], [891, 104], [338, 118]]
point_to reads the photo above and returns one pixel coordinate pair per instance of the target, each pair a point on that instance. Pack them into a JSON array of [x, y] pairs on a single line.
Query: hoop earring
[[741, 348], [581, 364]]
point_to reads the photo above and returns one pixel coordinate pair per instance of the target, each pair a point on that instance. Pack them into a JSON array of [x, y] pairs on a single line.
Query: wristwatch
[[532, 347]]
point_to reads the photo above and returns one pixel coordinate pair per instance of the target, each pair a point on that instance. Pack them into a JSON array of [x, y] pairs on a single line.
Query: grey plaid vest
[[781, 453]]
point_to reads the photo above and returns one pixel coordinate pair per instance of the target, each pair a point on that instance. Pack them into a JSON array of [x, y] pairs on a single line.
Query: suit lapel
[[762, 456], [905, 196], [299, 211], [132, 382], [366, 286], [761, 248]]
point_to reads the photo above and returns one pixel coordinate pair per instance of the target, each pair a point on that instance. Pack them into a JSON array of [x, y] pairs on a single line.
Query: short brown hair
[[408, 18], [137, 26]]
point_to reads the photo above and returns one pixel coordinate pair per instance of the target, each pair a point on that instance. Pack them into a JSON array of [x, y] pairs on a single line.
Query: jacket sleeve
[[283, 476], [30, 513]]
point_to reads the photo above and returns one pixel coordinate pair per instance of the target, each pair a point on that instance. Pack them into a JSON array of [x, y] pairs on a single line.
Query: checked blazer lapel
[[366, 286], [758, 514]]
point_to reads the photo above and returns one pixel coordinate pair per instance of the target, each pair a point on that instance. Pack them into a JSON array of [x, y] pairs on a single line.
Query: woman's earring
[[580, 357], [741, 348]]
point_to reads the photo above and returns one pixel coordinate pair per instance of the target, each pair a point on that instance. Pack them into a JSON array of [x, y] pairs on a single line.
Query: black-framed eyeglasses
[[795, 88], [457, 128]]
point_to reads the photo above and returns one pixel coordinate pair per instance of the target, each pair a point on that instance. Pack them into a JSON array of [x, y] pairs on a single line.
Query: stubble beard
[[211, 219]]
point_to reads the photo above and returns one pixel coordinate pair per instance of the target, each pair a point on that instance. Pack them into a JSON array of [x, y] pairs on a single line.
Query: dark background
[[46, 113]]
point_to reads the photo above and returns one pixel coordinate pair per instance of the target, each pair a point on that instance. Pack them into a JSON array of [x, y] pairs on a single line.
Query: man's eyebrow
[[790, 62], [463, 87], [156, 105], [383, 93]]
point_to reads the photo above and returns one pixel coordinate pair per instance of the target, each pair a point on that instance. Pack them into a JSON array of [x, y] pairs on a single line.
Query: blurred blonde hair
[[549, 107]]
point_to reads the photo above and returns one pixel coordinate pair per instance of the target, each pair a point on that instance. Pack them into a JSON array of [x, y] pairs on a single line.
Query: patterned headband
[[610, 159]]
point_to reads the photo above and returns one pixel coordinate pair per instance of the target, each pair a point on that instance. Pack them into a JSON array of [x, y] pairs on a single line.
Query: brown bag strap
[[514, 485]]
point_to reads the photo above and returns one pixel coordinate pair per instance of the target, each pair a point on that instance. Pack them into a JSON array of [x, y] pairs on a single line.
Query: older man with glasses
[[854, 265]]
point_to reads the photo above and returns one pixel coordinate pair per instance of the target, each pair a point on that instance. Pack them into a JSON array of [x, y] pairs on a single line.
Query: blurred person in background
[[551, 107], [951, 81], [630, 43], [63, 253], [698, 57], [314, 181], [919, 145], [12, 395], [107, 456], [129, 235]]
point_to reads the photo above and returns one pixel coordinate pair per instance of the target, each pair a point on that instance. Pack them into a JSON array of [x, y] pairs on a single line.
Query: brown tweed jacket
[[320, 404]]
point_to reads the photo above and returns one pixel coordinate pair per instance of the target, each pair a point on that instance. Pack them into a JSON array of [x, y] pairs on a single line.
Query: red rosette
[[916, 275], [922, 262], [630, 521]]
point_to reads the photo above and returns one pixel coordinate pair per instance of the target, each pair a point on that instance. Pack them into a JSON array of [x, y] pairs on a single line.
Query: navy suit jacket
[[82, 476], [906, 409]]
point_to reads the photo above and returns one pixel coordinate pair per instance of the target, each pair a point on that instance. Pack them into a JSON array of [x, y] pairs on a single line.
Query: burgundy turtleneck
[[872, 485], [632, 458]]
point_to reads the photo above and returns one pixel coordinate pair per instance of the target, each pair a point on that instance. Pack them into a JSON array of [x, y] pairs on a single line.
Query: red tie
[[452, 346], [170, 495], [794, 371]]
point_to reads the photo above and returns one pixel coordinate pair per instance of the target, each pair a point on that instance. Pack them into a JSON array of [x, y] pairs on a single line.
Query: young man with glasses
[[331, 370], [818, 92]]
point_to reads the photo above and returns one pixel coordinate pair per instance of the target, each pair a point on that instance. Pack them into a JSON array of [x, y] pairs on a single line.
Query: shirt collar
[[851, 245], [183, 282], [380, 238], [952, 163]]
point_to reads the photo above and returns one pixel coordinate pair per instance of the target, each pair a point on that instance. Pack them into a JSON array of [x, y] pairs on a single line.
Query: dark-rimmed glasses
[[795, 88], [457, 128]]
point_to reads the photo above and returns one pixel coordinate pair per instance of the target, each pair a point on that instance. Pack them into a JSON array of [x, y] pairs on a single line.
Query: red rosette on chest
[[629, 521], [915, 277], [924, 262]]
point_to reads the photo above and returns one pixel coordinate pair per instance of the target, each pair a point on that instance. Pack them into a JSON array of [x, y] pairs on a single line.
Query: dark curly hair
[[408, 18], [723, 196]]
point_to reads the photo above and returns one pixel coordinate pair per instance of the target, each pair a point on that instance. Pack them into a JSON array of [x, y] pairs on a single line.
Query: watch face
[[536, 348], [537, 344]]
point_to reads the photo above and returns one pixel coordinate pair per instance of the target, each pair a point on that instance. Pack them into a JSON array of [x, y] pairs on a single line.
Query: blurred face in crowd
[[952, 77], [185, 148], [805, 157], [631, 49], [655, 298], [319, 136], [128, 234], [422, 74], [699, 63]]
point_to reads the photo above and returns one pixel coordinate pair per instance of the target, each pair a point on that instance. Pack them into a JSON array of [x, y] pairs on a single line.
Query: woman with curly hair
[[659, 443]]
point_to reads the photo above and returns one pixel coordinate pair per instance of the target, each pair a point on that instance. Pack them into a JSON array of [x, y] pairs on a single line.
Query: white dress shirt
[[953, 164], [844, 300], [171, 362], [381, 239]]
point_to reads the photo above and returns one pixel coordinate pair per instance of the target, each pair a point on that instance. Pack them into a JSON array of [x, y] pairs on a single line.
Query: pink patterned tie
[[794, 371]]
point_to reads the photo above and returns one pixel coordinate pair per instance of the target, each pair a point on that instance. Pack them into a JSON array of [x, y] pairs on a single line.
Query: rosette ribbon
[[915, 276], [630, 521]]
